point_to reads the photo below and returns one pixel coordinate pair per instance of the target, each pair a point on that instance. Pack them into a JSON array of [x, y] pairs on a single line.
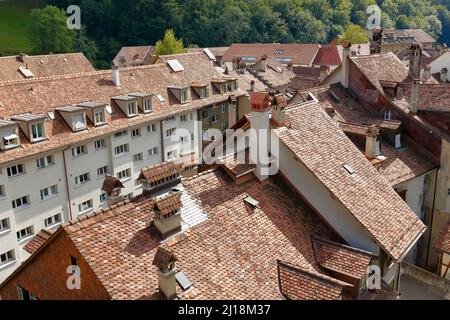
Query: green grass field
[[14, 20]]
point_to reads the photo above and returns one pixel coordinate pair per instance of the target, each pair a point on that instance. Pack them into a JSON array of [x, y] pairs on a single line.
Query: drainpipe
[[67, 183], [432, 218], [162, 141]]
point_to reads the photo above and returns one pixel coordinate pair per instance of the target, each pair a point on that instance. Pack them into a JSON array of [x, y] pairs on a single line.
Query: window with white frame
[[103, 197], [205, 114], [5, 224], [136, 133], [85, 206], [25, 233], [79, 150], [82, 178], [183, 96], [138, 157], [183, 118], [147, 105], [37, 131], [7, 257], [120, 133], [124, 174], [49, 192], [79, 122], [53, 220], [132, 108], [388, 115], [102, 171], [171, 118], [99, 117], [10, 140], [224, 125], [223, 108], [153, 151], [15, 170], [44, 162], [124, 148], [152, 128], [170, 132], [214, 119], [203, 92], [100, 144], [21, 202]]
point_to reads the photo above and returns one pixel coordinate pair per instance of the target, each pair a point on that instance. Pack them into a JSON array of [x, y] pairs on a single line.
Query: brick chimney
[[167, 214], [164, 261], [279, 109], [444, 74], [346, 63], [375, 42], [260, 132], [372, 142], [115, 75], [427, 72], [415, 93], [415, 55], [113, 188]]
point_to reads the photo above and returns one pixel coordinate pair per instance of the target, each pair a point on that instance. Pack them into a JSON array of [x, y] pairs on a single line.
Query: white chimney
[[324, 71], [165, 260], [116, 75], [427, 72], [345, 63], [372, 142], [444, 74], [167, 214]]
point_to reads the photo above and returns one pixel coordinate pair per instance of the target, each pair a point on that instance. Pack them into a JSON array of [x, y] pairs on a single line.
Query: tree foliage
[[169, 45], [355, 34]]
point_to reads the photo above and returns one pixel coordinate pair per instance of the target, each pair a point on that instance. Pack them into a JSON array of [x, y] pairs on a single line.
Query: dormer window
[[203, 92], [37, 131], [128, 104], [78, 122], [144, 101], [95, 112], [220, 85], [99, 117], [201, 89], [32, 125], [148, 105], [9, 133], [132, 109], [184, 96], [75, 117], [180, 92]]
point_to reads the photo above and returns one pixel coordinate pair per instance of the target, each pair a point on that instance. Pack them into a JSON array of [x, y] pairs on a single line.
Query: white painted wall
[[441, 62]]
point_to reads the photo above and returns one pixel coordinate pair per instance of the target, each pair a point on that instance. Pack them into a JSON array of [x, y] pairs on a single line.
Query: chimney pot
[[444, 74], [115, 75], [165, 260], [372, 142], [427, 72]]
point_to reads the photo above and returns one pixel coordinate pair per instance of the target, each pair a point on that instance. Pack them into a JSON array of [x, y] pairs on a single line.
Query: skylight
[[160, 98], [51, 115], [108, 109], [175, 65], [251, 202], [26, 72], [183, 280], [348, 168], [209, 54]]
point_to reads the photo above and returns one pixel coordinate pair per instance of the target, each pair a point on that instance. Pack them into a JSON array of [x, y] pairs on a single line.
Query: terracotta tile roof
[[160, 171], [38, 240], [110, 183], [168, 203], [311, 72], [324, 149], [442, 242], [297, 283], [432, 97], [328, 55], [238, 168], [303, 54], [44, 65], [40, 96], [133, 56], [341, 258], [232, 255]]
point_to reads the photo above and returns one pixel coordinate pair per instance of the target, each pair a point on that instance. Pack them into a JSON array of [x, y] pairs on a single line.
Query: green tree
[[87, 46], [355, 34], [170, 44], [402, 22], [49, 30]]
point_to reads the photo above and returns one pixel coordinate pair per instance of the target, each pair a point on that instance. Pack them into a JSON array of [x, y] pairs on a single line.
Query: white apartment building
[[65, 134]]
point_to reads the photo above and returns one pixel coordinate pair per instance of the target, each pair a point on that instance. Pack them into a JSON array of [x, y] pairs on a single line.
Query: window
[[20, 202], [11, 140], [223, 88], [169, 132], [171, 118], [53, 220], [120, 133], [85, 206], [388, 115], [25, 295], [2, 191], [15, 170], [153, 152], [73, 261], [183, 96], [25, 233], [44, 162], [83, 178], [147, 105], [136, 133], [213, 119], [100, 144], [103, 197], [4, 225], [204, 93], [7, 257], [448, 192], [49, 192], [124, 174], [78, 151], [99, 117], [124, 148], [204, 114], [171, 154], [233, 85], [138, 157], [37, 131], [223, 108], [132, 108], [137, 183], [224, 125], [79, 122], [152, 128], [102, 171], [183, 118]]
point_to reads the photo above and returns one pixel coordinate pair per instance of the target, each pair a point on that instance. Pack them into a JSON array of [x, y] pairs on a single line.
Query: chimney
[[260, 133], [427, 72], [115, 75], [444, 75], [21, 57], [252, 86], [375, 42], [414, 100], [346, 62], [164, 261], [324, 71], [279, 105], [263, 63], [415, 55], [167, 214], [372, 142], [113, 188]]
